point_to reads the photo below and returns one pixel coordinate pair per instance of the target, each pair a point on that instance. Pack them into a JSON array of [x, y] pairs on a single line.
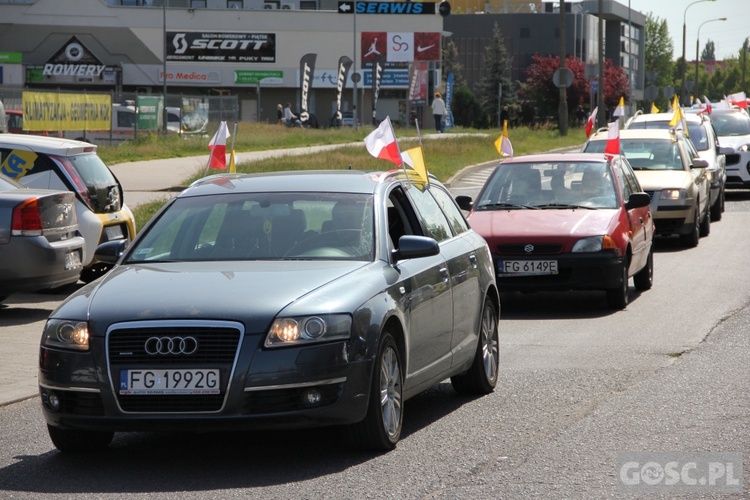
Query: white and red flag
[[613, 139], [738, 99], [590, 121], [709, 107], [218, 148], [381, 143]]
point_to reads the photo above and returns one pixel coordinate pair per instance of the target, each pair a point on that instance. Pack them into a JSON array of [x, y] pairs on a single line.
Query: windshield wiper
[[564, 205], [508, 205]]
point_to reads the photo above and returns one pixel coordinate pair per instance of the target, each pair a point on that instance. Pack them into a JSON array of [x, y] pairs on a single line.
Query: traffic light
[[444, 8]]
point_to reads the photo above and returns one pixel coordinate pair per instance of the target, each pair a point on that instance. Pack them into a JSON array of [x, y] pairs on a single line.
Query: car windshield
[[646, 154], [696, 130], [261, 226], [731, 124], [549, 185]]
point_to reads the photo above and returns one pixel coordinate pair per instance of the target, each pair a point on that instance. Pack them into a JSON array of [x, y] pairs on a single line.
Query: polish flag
[[590, 121], [613, 139], [218, 148], [381, 143], [709, 108], [738, 99]]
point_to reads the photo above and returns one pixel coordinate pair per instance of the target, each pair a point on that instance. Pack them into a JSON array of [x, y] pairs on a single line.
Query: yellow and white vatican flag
[[502, 143], [415, 159], [654, 109], [620, 109]]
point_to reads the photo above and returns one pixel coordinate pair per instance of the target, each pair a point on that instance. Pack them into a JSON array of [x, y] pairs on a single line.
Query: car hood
[[521, 225], [654, 180], [250, 292]]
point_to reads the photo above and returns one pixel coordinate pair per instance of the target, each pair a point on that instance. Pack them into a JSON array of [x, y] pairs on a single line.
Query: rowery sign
[[200, 46]]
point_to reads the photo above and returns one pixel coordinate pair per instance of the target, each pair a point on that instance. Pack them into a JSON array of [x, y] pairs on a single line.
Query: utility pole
[[601, 117], [562, 120]]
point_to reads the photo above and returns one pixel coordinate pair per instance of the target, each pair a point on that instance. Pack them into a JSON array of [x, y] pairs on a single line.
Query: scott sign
[[221, 47]]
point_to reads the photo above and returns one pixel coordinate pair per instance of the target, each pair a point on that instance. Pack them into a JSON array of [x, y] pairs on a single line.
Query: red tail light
[[27, 220]]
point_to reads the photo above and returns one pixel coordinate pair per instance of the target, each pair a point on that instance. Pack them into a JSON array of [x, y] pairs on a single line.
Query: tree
[[451, 65], [659, 53], [709, 51], [466, 110], [495, 71], [540, 90]]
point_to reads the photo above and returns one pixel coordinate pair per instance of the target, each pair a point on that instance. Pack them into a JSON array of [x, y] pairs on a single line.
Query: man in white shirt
[[438, 111]]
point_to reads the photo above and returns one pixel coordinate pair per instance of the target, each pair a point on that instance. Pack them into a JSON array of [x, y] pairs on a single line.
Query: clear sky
[[727, 36]]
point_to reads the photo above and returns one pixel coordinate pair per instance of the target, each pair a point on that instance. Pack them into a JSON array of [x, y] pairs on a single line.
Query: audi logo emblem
[[171, 345]]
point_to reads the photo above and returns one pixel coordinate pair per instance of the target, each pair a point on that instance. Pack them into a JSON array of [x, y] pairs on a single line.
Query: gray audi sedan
[[273, 301]]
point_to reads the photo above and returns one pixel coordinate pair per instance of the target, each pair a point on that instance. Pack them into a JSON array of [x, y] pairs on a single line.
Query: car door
[[641, 223], [464, 268], [700, 175], [426, 294]]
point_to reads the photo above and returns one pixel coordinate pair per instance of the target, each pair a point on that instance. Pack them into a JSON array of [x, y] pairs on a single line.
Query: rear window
[[731, 124], [696, 130]]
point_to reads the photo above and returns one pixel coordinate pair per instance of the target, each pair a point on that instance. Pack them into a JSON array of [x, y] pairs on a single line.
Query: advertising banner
[[345, 65], [149, 112], [418, 82], [400, 48], [377, 76], [306, 70], [199, 46], [59, 111]]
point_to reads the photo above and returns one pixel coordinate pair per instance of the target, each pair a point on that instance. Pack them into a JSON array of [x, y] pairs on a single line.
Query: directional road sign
[[348, 7]]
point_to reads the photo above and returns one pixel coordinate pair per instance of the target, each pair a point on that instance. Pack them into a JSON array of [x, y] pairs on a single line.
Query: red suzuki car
[[571, 221]]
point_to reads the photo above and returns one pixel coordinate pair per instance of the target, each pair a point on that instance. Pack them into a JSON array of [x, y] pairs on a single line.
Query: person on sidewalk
[[438, 112], [290, 119], [280, 114]]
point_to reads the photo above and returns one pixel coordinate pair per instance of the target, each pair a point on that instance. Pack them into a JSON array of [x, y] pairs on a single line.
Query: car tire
[[481, 378], [381, 428], [705, 228], [79, 441], [617, 298], [644, 279], [718, 207], [691, 239]]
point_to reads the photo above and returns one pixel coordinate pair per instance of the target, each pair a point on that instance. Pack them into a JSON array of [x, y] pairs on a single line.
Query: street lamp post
[[697, 46], [684, 30]]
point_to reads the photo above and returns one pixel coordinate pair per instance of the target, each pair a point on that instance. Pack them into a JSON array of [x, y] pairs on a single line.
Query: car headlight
[[66, 334], [744, 148], [673, 194], [594, 244], [309, 329]]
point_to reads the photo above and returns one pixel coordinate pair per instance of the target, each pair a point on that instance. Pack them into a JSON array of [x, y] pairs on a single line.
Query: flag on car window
[[620, 109], [654, 109], [218, 148], [590, 121], [502, 143], [676, 118], [381, 143], [415, 159], [613, 139]]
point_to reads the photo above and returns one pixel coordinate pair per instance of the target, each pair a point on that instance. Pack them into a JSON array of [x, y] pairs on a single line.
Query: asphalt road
[[579, 384]]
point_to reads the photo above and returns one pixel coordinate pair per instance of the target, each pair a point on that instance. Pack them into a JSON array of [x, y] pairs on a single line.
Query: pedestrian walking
[[280, 114], [438, 112]]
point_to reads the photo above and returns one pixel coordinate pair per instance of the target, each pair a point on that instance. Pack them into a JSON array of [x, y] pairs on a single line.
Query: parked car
[[40, 247], [703, 136], [559, 222], [54, 163], [733, 129], [273, 301], [670, 171]]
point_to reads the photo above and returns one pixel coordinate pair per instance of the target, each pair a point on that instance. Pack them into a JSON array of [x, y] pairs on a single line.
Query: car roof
[[45, 144], [557, 157], [330, 181], [666, 117], [639, 133]]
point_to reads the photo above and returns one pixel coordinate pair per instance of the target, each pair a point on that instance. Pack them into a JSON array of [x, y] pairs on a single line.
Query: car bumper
[[34, 263], [738, 170], [584, 271], [674, 219], [270, 394]]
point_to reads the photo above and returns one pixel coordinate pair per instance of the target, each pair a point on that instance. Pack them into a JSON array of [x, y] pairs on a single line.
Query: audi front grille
[[173, 345]]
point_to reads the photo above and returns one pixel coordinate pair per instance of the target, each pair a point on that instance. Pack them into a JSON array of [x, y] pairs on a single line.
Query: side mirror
[[638, 200], [699, 163], [465, 202], [414, 247], [110, 251], [725, 150]]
